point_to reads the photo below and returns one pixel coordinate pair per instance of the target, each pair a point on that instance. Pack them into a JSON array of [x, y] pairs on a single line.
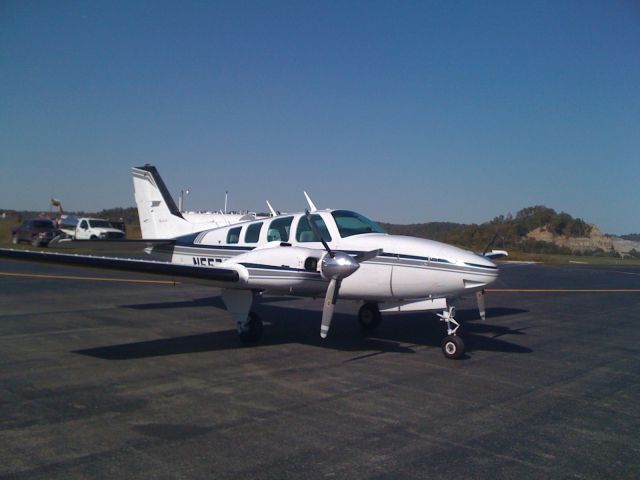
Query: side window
[[233, 236], [253, 233], [305, 234], [279, 229], [84, 225]]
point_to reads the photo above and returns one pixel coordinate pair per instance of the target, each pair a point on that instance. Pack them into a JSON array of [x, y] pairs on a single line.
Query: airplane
[[159, 215], [338, 254]]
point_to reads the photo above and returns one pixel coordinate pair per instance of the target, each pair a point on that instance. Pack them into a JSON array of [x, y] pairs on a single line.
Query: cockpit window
[[352, 223], [305, 234], [279, 229]]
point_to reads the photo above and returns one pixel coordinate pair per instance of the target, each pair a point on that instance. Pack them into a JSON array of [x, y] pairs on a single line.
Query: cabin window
[[253, 233], [305, 234], [84, 225], [233, 236], [352, 223], [279, 229]]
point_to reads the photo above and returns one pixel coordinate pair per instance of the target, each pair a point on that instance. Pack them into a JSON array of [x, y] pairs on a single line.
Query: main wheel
[[35, 241], [251, 331], [452, 347], [369, 316]]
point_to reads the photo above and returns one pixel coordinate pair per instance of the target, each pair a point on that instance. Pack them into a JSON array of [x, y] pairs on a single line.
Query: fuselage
[[274, 255]]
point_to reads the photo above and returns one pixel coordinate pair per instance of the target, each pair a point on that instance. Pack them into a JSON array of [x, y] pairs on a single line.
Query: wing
[[184, 273]]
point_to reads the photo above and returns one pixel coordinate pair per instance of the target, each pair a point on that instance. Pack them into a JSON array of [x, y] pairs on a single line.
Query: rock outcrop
[[596, 240]]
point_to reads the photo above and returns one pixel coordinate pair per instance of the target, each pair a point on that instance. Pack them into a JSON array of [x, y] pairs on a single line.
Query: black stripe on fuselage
[[164, 191]]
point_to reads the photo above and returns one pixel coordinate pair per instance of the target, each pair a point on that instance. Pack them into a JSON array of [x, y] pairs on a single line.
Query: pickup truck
[[89, 229]]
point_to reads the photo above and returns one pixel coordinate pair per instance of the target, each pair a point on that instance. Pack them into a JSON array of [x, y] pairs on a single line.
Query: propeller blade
[[329, 305], [311, 204], [364, 256], [493, 239], [317, 233], [481, 309]]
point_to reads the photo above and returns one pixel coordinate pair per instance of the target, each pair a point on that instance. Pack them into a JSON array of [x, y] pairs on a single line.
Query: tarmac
[[107, 376]]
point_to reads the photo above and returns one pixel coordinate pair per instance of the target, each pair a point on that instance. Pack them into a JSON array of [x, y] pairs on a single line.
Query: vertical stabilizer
[[158, 213], [160, 218]]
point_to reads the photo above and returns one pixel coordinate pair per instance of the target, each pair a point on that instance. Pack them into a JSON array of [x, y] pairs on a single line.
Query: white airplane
[[159, 215], [338, 254]]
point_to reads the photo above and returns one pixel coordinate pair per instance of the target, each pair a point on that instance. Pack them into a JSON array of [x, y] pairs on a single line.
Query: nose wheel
[[452, 345]]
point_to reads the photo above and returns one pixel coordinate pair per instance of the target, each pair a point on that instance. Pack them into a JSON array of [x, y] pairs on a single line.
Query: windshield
[[99, 224], [352, 223]]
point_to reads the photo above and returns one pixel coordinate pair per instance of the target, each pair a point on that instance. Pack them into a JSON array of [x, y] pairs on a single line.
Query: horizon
[[410, 113], [96, 212]]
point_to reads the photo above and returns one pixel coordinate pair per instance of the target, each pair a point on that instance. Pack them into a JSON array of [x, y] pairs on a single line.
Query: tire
[[452, 347], [369, 316], [93, 237], [35, 241], [252, 331]]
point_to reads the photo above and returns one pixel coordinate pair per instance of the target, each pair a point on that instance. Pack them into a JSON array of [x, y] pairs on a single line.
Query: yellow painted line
[[97, 279], [559, 290]]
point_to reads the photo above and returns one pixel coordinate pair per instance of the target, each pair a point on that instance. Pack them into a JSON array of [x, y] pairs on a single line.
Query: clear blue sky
[[404, 111]]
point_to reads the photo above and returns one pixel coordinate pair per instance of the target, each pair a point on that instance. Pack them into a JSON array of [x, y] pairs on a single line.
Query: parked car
[[89, 229], [37, 231]]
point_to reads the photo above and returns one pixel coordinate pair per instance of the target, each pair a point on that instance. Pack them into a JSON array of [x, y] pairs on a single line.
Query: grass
[[6, 224]]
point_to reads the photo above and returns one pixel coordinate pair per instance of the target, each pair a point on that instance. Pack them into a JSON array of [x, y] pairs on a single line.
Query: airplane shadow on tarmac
[[398, 333]]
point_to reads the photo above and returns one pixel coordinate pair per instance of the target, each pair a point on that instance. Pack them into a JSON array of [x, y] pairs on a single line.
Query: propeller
[[335, 267]]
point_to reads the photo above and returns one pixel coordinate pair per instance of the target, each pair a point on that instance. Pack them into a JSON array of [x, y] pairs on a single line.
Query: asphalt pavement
[[111, 376]]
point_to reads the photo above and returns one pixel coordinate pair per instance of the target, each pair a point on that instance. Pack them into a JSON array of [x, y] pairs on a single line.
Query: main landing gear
[[250, 331], [369, 316], [452, 345]]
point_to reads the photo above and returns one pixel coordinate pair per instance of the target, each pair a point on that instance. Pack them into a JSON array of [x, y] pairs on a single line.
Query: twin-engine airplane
[[159, 216], [338, 254]]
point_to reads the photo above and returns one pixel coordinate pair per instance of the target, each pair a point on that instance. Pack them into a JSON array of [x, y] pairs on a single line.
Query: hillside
[[537, 229]]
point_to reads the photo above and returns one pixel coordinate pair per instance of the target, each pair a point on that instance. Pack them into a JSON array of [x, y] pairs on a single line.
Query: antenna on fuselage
[[273, 212], [312, 207]]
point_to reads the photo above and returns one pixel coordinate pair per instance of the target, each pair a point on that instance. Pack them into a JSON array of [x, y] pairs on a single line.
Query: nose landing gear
[[452, 345]]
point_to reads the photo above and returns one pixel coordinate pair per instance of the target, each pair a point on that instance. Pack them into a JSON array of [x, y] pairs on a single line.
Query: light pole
[[182, 194]]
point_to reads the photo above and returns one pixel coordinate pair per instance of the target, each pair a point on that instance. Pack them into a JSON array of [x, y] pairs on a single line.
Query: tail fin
[[158, 213], [159, 216]]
